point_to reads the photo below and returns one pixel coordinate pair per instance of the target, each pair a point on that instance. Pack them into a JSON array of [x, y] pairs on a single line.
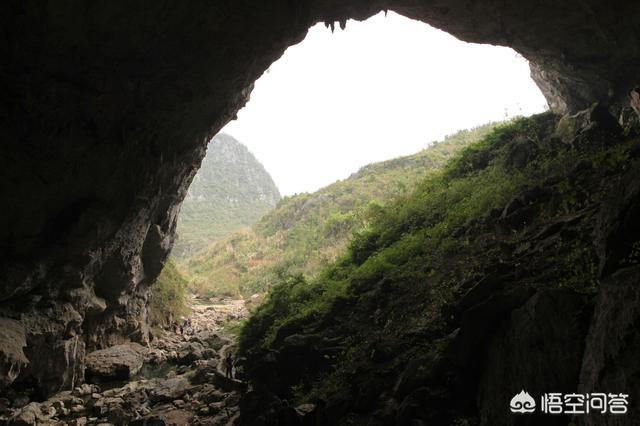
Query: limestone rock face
[[116, 362], [107, 109], [54, 349], [12, 357], [610, 363], [523, 350], [611, 358]]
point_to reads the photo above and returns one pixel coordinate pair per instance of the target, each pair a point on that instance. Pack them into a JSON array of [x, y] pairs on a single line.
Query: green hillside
[[230, 191], [306, 232], [486, 269], [168, 298]]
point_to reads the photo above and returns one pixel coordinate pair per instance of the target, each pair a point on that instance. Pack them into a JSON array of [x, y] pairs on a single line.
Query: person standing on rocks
[[229, 364]]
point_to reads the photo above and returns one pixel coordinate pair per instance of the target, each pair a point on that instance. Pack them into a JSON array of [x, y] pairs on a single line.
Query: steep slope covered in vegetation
[[306, 232], [230, 191], [168, 298], [479, 284]]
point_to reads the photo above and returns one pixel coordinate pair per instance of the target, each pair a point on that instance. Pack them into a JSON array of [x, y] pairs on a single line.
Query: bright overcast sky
[[380, 89]]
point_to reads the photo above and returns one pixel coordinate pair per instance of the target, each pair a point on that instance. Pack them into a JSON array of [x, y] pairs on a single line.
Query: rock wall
[[107, 108], [610, 361]]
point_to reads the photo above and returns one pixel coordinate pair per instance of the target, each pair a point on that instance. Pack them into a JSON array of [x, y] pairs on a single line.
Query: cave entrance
[[109, 119]]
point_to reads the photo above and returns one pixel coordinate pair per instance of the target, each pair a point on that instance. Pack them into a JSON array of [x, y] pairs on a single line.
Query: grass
[[406, 267], [306, 233], [169, 294]]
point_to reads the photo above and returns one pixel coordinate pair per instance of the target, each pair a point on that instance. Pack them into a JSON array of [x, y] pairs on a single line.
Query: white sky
[[380, 89]]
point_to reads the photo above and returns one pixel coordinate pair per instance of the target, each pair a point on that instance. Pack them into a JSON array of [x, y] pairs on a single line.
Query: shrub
[[168, 299]]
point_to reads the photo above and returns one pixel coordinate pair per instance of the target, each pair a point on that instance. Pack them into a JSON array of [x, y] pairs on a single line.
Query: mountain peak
[[231, 190]]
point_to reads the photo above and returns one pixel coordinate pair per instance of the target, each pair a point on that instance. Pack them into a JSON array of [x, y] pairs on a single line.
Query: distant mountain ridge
[[231, 190], [307, 231]]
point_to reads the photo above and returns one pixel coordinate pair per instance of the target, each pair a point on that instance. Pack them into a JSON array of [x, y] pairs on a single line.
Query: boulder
[[190, 352], [170, 389], [31, 414], [209, 339], [119, 417], [116, 362], [226, 384], [106, 405], [209, 394], [204, 368]]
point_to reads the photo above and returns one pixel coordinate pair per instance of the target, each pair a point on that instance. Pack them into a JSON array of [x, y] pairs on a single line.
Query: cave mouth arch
[[345, 98], [107, 109]]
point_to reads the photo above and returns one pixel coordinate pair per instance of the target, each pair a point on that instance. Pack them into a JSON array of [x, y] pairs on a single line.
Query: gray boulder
[[170, 389], [116, 362], [189, 352]]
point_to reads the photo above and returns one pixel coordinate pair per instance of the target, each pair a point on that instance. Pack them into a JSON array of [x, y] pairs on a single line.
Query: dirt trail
[[209, 316]]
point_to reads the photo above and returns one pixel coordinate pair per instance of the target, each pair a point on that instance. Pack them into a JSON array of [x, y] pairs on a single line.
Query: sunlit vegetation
[[168, 300], [307, 232], [407, 265], [230, 191]]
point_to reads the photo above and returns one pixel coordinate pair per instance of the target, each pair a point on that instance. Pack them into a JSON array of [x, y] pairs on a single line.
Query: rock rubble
[[190, 387]]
